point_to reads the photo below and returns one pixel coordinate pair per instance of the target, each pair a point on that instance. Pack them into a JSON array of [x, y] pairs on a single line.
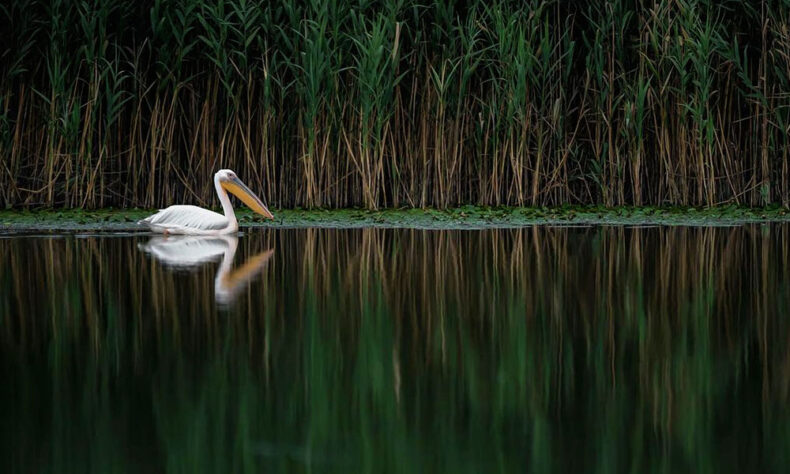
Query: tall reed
[[335, 103]]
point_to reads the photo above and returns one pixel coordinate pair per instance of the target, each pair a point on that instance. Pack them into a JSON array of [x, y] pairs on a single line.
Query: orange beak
[[241, 191]]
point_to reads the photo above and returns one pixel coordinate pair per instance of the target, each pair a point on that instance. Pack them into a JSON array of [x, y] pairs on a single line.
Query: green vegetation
[[466, 217], [392, 103]]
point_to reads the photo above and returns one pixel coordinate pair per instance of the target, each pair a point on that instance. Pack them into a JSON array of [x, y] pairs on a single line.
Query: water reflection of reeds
[[648, 349]]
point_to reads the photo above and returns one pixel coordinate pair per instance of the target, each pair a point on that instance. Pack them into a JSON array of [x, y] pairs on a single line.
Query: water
[[599, 349]]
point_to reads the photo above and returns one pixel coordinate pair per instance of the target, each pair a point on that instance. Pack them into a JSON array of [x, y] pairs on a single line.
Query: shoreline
[[466, 217]]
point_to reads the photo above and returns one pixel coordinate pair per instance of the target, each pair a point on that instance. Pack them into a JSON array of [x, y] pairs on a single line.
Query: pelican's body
[[185, 252], [193, 220]]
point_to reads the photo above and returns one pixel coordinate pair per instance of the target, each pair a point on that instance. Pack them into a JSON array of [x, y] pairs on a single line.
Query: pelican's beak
[[241, 191]]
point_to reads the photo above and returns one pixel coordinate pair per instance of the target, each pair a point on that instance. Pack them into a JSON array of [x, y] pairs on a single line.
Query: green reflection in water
[[602, 349]]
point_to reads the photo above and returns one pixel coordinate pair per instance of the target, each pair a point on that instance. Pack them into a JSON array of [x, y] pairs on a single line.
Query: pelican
[[193, 220], [188, 252]]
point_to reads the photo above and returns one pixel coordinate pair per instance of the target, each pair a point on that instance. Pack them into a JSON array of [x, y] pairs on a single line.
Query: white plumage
[[183, 219], [193, 220]]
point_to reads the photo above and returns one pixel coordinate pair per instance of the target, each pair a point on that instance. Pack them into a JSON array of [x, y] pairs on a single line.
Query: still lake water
[[588, 349]]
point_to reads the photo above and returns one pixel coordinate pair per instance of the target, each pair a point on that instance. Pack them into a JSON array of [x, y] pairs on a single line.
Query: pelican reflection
[[191, 251]]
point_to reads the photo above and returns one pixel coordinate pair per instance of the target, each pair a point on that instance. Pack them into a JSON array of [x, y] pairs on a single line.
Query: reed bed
[[392, 103]]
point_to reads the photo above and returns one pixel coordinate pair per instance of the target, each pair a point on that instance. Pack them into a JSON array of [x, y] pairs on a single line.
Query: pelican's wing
[[176, 218], [185, 251]]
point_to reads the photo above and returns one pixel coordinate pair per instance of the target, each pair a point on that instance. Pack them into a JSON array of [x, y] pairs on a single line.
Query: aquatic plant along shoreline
[[465, 217], [395, 103]]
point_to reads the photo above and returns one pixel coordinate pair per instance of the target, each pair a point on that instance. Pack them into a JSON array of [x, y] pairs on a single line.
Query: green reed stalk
[[343, 103]]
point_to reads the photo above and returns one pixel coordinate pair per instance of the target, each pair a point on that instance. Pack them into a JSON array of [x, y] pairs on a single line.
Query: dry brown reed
[[393, 103]]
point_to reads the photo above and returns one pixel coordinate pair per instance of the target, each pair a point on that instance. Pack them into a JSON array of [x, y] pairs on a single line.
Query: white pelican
[[193, 220], [192, 251]]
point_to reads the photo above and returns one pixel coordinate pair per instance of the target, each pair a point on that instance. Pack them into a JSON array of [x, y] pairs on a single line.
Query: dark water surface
[[600, 349]]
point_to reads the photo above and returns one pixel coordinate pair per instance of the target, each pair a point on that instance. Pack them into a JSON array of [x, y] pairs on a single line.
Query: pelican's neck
[[227, 208]]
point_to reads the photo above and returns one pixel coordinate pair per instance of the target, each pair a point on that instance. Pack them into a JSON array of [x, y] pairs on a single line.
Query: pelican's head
[[231, 183]]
